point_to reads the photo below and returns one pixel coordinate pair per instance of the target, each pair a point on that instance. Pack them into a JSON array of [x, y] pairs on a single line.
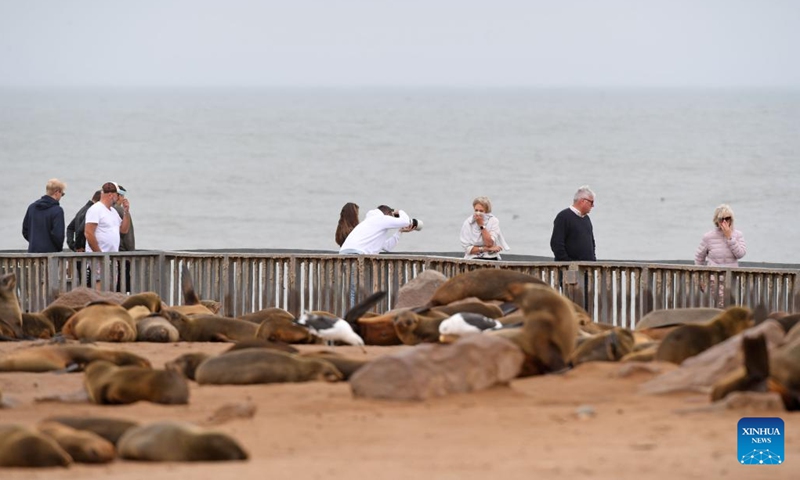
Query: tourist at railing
[[721, 246], [104, 225], [373, 235], [43, 225], [481, 237], [573, 236], [348, 219]]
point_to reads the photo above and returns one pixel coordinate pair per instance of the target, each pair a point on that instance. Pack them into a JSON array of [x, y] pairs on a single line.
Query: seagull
[[467, 322], [331, 329]]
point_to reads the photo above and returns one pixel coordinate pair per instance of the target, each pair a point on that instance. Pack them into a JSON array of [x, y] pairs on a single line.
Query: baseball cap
[[114, 187]]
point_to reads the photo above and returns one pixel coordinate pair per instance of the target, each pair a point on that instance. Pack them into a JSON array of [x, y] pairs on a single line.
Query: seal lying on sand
[[169, 441], [107, 383], [109, 428], [60, 357], [690, 339], [258, 365], [83, 446], [21, 446], [101, 322]]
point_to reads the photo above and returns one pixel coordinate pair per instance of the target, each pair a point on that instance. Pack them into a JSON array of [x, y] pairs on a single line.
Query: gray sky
[[401, 42]]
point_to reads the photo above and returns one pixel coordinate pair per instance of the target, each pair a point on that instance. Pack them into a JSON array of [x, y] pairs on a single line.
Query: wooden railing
[[618, 293]]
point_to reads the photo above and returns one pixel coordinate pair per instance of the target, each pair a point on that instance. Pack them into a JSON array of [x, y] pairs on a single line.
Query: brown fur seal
[[58, 315], [169, 441], [258, 365], [109, 428], [22, 446], [107, 383], [677, 316], [83, 446], [59, 357], [187, 364], [259, 343], [550, 329], [776, 371], [346, 365], [489, 310], [690, 339], [284, 330], [415, 328], [149, 300], [101, 322], [483, 283], [608, 346], [10, 313], [156, 328], [36, 325], [211, 328]]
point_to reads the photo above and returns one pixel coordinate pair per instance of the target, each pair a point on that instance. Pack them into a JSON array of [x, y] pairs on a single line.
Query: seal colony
[[548, 332]]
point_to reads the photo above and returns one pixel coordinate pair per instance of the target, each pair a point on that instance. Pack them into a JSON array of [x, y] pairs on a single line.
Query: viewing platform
[[613, 292]]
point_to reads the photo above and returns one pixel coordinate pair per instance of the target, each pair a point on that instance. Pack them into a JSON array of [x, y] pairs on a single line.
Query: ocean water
[[271, 168]]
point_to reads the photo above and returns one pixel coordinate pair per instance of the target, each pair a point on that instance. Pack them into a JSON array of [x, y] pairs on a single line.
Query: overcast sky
[[401, 42]]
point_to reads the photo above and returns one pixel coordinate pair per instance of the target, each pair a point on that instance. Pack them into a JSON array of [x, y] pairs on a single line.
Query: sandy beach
[[586, 423]]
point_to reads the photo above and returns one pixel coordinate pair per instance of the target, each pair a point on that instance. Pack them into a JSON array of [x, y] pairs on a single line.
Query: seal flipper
[[361, 308], [754, 375]]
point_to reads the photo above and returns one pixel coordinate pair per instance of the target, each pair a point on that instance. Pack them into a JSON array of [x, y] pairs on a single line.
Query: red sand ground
[[528, 430]]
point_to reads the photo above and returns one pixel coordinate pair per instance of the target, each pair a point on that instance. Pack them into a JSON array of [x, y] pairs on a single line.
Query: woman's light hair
[[721, 212], [487, 204]]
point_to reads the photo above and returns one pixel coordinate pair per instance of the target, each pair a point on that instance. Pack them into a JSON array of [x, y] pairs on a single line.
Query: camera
[[416, 223]]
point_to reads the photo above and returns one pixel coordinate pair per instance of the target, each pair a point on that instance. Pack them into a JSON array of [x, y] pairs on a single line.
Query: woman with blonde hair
[[722, 246], [481, 237], [348, 219]]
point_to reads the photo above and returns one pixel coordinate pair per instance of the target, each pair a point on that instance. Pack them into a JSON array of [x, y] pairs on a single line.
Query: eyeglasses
[[591, 202], [726, 219], [63, 193]]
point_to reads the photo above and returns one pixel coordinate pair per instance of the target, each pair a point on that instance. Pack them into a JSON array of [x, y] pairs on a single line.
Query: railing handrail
[[613, 292]]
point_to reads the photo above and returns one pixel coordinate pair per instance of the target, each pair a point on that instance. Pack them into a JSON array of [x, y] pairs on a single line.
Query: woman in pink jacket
[[723, 246]]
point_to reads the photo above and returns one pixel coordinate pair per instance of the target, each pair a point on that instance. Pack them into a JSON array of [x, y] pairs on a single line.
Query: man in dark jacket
[[573, 235], [43, 225], [75, 237]]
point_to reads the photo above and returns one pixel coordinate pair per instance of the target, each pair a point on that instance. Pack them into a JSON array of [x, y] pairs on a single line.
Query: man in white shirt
[[103, 223], [373, 235]]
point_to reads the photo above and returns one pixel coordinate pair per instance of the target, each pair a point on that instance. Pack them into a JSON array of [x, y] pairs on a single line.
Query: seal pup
[[265, 314], [21, 446], [750, 377], [608, 346], [101, 322], [258, 365], [58, 315], [48, 358], [690, 339], [106, 384], [106, 427], [414, 328], [10, 313], [284, 330], [170, 441], [547, 337], [483, 283], [210, 328], [156, 328], [82, 445]]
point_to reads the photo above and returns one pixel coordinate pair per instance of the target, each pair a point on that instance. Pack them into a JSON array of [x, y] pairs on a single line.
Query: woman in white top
[[480, 234]]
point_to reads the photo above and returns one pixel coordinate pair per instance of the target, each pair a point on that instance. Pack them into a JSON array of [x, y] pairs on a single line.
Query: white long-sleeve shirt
[[374, 235]]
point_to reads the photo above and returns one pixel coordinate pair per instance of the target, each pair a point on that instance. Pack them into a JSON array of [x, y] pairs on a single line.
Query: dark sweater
[[573, 237], [43, 226], [75, 229]]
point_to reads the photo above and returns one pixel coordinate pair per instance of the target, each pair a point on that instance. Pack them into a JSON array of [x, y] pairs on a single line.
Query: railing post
[[53, 281], [571, 287]]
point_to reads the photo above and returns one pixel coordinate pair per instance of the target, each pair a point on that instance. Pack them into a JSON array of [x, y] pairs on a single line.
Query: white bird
[[331, 329], [467, 322]]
